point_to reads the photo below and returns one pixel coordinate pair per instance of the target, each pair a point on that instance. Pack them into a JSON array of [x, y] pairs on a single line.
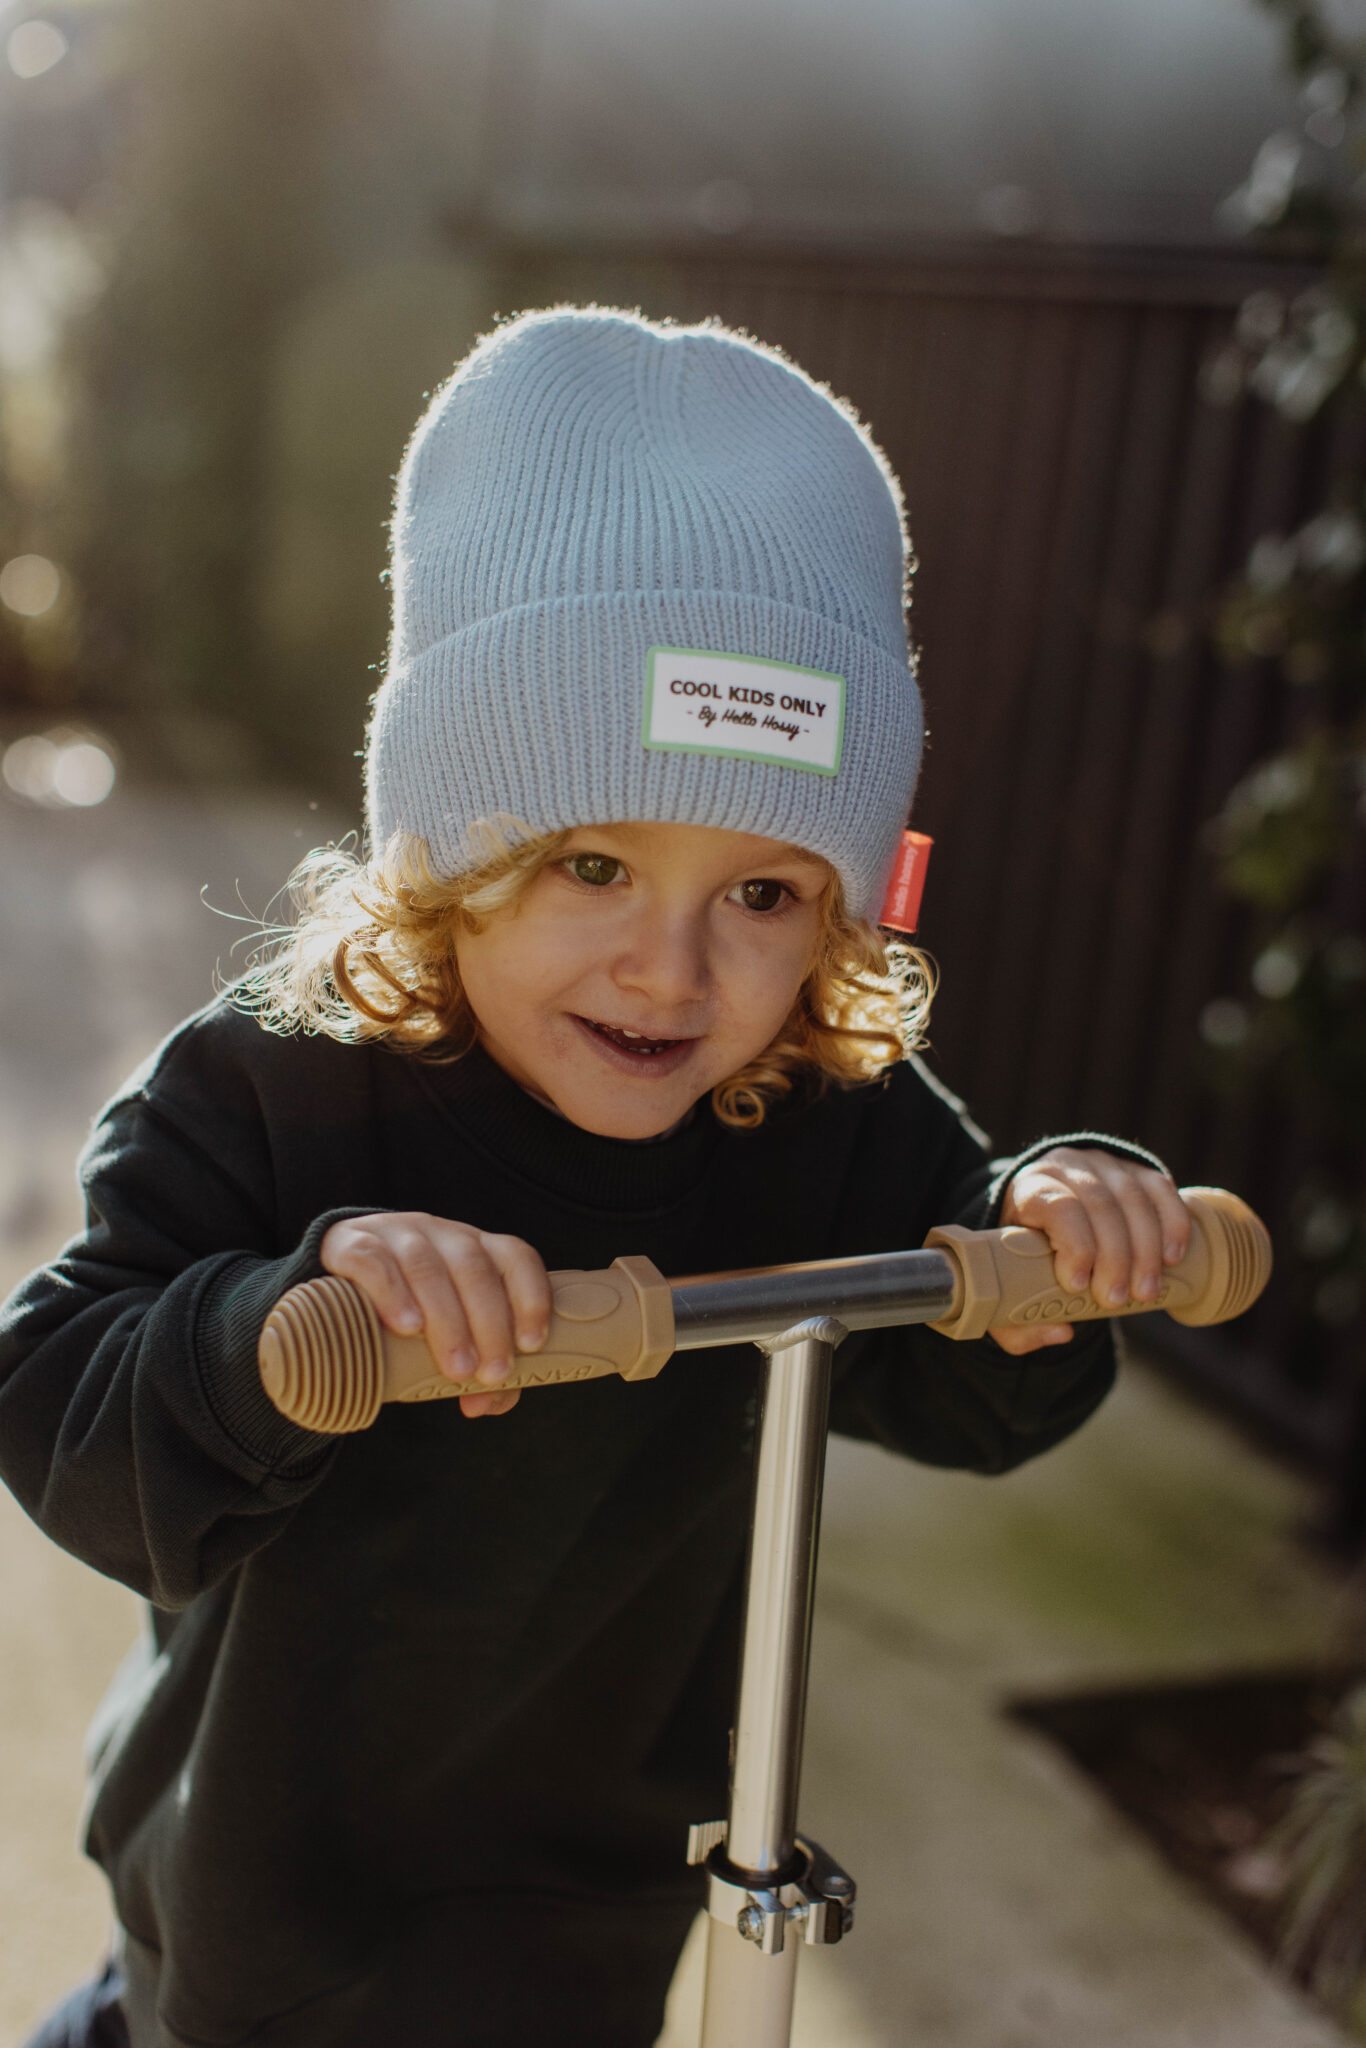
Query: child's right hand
[[476, 1296]]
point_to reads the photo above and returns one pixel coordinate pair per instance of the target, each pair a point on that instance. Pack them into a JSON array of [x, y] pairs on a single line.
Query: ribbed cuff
[[232, 1314]]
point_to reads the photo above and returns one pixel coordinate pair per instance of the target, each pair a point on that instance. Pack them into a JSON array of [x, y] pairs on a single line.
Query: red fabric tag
[[906, 884]]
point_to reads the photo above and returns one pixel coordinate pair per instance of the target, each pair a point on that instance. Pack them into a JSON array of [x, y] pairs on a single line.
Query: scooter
[[327, 1362]]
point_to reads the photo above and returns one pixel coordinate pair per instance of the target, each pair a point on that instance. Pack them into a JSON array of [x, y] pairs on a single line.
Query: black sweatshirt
[[400, 1674]]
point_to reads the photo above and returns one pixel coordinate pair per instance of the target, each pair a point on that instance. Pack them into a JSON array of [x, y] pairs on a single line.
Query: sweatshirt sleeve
[[969, 1405], [133, 1427]]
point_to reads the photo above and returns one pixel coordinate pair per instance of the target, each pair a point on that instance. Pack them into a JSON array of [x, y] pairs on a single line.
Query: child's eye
[[597, 869], [761, 895]]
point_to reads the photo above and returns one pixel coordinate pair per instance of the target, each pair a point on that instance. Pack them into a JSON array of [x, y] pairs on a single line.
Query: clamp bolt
[[749, 1921]]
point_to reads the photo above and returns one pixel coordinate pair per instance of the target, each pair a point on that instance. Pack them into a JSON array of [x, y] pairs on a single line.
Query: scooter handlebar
[[327, 1361]]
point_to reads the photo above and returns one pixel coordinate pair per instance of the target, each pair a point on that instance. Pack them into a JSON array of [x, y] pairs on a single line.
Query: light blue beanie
[[645, 572]]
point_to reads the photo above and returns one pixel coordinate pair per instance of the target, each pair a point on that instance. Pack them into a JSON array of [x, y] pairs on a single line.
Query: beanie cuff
[[537, 715]]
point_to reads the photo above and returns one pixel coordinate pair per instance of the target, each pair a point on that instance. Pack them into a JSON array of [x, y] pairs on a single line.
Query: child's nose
[[666, 958]]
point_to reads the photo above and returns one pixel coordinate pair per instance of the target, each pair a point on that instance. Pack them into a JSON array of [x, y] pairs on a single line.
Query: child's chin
[[618, 1119]]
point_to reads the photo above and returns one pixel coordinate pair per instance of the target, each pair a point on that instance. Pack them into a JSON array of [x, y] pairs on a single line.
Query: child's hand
[[1112, 1223], [476, 1296]]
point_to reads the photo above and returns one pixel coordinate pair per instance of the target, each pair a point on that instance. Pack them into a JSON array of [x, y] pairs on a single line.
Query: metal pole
[[869, 1293], [776, 1638], [748, 1998], [751, 1966]]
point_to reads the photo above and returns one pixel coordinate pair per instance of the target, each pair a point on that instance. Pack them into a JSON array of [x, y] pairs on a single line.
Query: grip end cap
[[321, 1357], [1240, 1256]]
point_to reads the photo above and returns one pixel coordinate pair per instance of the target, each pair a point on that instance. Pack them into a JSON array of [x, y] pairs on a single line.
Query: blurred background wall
[[1087, 268]]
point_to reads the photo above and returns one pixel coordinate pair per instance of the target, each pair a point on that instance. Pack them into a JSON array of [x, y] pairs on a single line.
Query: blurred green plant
[[1291, 838], [1320, 1845]]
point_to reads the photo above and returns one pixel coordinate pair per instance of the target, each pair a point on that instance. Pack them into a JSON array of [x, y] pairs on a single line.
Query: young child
[[410, 1751]]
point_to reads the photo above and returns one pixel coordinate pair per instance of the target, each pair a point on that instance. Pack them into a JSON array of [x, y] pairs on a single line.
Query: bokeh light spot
[[83, 774], [34, 47], [59, 769], [1275, 972], [29, 584], [1224, 1023], [28, 767]]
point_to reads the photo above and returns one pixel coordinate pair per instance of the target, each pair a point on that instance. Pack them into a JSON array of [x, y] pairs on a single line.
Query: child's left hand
[[1113, 1225]]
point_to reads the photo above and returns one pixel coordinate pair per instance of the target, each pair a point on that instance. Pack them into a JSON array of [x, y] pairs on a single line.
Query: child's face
[[693, 939]]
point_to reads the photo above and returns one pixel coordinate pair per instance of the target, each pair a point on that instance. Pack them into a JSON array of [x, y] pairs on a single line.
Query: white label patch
[[700, 703]]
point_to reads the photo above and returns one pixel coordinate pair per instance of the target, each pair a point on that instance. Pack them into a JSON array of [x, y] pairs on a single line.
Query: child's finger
[[426, 1268], [475, 1405], [1158, 1221], [528, 1288], [1143, 1276], [1173, 1216], [483, 1299], [1017, 1341], [1108, 1277], [355, 1254], [1067, 1223]]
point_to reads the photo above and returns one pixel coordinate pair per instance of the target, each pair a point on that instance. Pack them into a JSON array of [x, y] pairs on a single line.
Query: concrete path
[[1002, 1904]]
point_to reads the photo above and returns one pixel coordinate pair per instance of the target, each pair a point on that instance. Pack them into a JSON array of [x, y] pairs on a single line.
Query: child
[[410, 1751]]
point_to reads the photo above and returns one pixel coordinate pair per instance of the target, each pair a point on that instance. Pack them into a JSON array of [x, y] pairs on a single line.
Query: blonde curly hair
[[371, 955]]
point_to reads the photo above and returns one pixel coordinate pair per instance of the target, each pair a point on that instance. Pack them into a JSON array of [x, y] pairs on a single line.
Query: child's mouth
[[635, 1046]]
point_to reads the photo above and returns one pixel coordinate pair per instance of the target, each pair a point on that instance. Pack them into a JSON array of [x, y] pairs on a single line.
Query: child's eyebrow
[[805, 856]]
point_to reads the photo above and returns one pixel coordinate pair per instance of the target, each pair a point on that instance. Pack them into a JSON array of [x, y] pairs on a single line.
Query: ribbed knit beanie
[[650, 573]]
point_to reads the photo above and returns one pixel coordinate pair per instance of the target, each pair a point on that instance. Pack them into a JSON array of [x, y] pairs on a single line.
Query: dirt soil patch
[[1206, 1771]]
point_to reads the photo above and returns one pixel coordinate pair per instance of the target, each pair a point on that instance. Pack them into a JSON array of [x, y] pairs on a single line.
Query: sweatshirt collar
[[540, 1146]]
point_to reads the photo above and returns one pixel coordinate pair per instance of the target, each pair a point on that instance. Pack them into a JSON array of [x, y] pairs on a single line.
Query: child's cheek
[[765, 980]]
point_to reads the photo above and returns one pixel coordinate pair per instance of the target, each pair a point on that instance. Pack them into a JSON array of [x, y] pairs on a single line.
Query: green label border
[[792, 668]]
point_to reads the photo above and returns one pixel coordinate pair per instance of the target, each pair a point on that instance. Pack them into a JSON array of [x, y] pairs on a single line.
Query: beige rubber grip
[[328, 1362], [1007, 1276]]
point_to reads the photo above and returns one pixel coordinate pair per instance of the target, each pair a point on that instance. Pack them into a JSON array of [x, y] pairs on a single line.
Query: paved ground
[[1002, 1905]]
